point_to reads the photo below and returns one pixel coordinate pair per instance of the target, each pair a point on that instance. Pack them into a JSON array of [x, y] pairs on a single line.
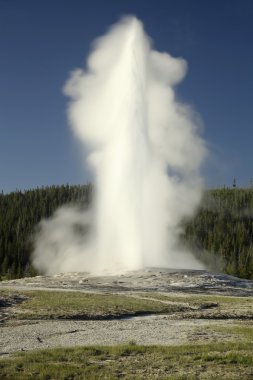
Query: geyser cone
[[123, 109]]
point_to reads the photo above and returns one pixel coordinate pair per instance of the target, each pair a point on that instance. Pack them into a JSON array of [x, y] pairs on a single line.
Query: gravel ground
[[142, 330]]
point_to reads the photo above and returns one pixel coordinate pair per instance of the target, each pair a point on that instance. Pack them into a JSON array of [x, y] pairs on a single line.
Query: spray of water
[[145, 151]]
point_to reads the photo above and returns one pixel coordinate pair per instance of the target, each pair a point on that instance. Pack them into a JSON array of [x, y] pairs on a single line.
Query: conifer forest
[[220, 234]]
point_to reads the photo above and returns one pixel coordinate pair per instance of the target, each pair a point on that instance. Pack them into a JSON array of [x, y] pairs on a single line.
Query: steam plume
[[145, 152]]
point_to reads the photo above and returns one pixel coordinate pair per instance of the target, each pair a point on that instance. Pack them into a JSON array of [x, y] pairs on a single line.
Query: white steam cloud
[[145, 152]]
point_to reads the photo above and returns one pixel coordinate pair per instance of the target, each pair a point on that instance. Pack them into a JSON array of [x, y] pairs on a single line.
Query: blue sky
[[41, 41]]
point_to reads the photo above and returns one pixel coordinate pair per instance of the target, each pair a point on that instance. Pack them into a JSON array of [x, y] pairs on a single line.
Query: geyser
[[145, 152]]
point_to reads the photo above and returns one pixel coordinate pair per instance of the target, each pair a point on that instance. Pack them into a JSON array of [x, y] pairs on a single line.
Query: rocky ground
[[206, 322], [161, 280]]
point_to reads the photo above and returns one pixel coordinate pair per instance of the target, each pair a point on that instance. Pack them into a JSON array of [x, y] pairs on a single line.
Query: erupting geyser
[[145, 152]]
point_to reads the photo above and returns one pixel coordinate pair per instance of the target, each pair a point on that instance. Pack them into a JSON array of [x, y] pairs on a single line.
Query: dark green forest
[[20, 213], [221, 234]]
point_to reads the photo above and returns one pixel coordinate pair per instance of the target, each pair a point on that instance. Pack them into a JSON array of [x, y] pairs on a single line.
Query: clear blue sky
[[41, 41]]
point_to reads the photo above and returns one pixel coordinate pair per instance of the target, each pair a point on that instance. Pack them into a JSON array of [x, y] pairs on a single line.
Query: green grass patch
[[61, 304], [57, 304], [210, 361], [241, 331], [209, 306], [198, 298]]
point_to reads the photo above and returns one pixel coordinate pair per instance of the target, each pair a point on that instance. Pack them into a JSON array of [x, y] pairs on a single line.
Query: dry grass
[[211, 361], [77, 305]]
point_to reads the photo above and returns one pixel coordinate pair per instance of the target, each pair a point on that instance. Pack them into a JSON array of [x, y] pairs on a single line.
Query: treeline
[[20, 213], [221, 234]]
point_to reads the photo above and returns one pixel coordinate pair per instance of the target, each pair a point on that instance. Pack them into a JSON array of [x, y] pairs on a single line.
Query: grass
[[209, 306], [77, 305], [243, 332], [199, 298], [53, 304], [210, 361]]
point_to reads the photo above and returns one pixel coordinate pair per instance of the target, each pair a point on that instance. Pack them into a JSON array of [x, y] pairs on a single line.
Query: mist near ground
[[145, 151]]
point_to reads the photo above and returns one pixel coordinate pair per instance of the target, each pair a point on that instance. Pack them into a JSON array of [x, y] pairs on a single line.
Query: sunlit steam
[[145, 152]]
